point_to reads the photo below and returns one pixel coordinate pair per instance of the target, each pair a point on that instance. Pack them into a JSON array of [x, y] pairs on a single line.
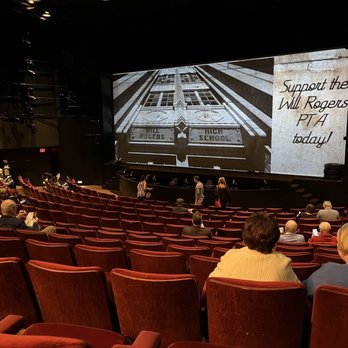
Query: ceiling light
[[46, 14]]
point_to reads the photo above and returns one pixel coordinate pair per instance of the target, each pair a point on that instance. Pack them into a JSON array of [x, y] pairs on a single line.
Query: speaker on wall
[[333, 171]]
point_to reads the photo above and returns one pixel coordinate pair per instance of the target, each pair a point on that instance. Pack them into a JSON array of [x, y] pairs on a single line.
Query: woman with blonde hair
[[222, 192]]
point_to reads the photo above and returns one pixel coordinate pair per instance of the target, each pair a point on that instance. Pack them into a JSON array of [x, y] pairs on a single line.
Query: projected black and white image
[[222, 115]]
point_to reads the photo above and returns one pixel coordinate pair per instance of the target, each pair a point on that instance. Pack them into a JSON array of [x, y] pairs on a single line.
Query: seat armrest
[[11, 324], [145, 339]]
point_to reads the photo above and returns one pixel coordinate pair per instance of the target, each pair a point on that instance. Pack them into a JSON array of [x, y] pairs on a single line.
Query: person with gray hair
[[324, 236], [10, 217], [290, 234], [328, 214], [331, 273]]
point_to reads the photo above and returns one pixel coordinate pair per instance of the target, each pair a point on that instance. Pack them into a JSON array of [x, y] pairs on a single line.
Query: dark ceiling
[[137, 34]]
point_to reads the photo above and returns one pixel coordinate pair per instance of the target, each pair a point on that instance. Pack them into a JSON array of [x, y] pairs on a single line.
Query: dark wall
[[31, 163], [80, 148]]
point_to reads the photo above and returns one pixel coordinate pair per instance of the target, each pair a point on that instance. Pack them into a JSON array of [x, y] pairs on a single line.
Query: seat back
[[211, 243], [201, 266], [298, 256], [104, 242], [16, 292], [189, 250], [13, 247], [22, 341], [218, 252], [72, 295], [178, 241], [329, 302], [327, 257], [143, 237], [105, 257], [26, 234], [157, 261], [50, 252], [304, 269], [135, 244], [7, 232], [294, 248], [175, 317], [247, 313], [65, 238]]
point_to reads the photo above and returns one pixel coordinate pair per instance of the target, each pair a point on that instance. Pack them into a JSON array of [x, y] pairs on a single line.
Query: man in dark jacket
[[197, 228], [10, 217]]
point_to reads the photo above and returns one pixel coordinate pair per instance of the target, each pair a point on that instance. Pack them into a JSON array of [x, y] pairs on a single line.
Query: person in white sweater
[[257, 261]]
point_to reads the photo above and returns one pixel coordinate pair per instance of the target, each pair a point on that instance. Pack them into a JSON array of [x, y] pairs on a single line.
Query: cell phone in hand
[[315, 232]]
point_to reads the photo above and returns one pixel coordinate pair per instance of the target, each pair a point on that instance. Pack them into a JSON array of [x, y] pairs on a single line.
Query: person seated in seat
[[331, 273], [328, 214], [180, 205], [197, 228], [324, 236], [10, 217], [257, 260], [309, 212], [290, 234]]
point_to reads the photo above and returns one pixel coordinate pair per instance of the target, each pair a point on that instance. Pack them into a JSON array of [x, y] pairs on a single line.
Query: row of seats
[[144, 256], [11, 244], [257, 315]]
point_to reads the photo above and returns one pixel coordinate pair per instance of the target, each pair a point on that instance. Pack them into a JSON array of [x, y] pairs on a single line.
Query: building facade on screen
[[215, 115], [227, 115]]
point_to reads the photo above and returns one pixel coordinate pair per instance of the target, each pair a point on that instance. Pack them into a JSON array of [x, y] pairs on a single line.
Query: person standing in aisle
[[223, 193], [143, 187], [199, 190]]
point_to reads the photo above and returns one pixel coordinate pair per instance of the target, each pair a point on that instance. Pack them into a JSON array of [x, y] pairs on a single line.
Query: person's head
[[222, 181], [291, 226], [261, 232], [342, 242], [325, 228], [310, 208], [9, 207], [327, 205], [197, 218], [179, 201], [196, 178]]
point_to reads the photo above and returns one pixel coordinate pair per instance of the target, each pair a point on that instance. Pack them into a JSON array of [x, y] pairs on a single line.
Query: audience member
[[6, 169], [309, 212], [257, 260], [328, 214], [143, 187], [222, 192], [180, 205], [290, 234], [199, 190], [3, 192], [12, 218], [197, 228], [331, 273], [324, 236]]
